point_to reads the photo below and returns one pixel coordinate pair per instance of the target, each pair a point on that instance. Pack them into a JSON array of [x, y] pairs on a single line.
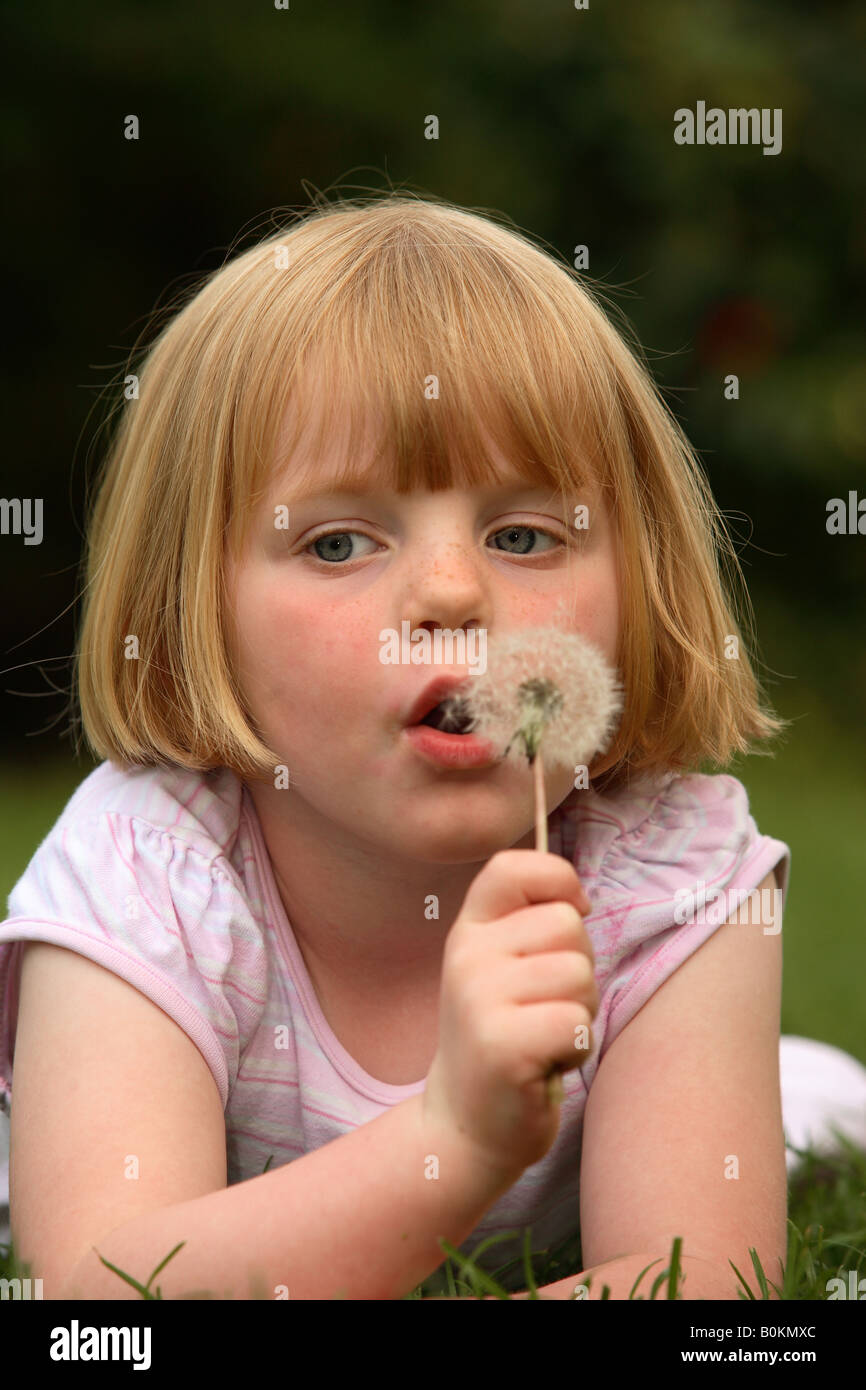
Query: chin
[[468, 841]]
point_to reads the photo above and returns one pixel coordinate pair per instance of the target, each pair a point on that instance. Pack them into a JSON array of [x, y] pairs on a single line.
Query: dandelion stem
[[555, 1093], [540, 804]]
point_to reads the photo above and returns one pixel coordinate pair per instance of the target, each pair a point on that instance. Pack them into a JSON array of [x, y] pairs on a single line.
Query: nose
[[447, 588]]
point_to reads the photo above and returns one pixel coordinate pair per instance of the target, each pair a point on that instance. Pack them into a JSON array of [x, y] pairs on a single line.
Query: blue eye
[[531, 531], [335, 543], [337, 547]]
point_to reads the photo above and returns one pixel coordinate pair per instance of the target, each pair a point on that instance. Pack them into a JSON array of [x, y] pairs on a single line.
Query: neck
[[362, 914]]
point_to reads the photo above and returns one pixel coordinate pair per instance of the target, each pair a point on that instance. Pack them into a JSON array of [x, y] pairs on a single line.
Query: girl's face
[[309, 604]]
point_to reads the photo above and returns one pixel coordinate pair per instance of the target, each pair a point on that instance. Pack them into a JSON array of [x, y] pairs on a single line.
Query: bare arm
[[101, 1074], [356, 1219]]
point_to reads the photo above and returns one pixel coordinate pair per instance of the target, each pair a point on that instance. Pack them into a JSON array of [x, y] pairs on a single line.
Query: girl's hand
[[517, 981]]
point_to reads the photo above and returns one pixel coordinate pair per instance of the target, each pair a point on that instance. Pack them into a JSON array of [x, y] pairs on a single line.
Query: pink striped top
[[163, 876]]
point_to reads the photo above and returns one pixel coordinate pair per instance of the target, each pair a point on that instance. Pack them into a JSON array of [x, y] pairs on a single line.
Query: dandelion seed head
[[543, 690]]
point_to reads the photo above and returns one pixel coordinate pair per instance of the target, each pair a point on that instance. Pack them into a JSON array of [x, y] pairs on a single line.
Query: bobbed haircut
[[366, 300]]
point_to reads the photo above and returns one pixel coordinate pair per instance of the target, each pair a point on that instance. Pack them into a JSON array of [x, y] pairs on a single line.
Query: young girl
[[284, 1000]]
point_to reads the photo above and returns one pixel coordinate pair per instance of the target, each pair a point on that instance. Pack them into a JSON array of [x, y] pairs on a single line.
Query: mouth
[[440, 730], [438, 706], [450, 751], [449, 717]]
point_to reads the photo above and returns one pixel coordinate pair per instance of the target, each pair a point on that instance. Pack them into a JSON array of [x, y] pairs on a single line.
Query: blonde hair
[[368, 298]]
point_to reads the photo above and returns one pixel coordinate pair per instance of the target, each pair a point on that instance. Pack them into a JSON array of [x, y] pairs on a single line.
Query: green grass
[[826, 1240]]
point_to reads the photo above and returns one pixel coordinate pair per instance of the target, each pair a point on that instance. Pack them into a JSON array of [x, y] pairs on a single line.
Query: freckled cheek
[[309, 657], [596, 611]]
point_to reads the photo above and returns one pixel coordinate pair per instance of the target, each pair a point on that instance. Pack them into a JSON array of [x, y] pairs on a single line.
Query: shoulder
[[694, 807], [201, 808], [143, 873], [667, 835], [164, 843], [665, 865], [123, 824]]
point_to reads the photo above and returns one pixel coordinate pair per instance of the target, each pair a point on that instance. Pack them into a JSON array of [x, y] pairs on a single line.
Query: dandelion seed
[[543, 690]]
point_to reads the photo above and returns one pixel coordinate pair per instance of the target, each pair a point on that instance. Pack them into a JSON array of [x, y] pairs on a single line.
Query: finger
[[556, 926], [513, 879]]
